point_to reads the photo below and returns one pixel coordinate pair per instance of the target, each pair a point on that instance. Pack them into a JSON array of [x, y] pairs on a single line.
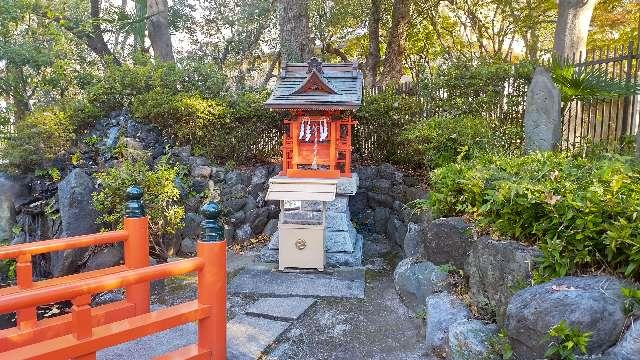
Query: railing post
[[24, 276], [136, 248], [212, 284]]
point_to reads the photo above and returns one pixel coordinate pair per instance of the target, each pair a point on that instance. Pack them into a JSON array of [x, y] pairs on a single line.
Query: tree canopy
[[51, 50]]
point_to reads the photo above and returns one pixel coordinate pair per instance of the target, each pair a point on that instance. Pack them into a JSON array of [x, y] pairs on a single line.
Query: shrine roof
[[314, 85]]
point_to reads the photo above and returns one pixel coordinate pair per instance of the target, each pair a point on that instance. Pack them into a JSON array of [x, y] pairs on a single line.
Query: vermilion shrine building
[[320, 98], [315, 183]]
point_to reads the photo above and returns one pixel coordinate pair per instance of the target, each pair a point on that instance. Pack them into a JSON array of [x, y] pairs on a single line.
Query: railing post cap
[[134, 207], [212, 231], [210, 211], [134, 193]]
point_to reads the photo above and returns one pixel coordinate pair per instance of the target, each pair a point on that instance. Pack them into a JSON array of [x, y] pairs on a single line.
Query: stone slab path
[[263, 280], [248, 334]]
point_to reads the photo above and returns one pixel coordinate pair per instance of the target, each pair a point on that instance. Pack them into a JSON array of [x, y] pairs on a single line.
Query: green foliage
[[381, 119], [7, 267], [588, 85], [566, 341], [632, 299], [439, 141], [228, 130], [499, 345], [119, 85], [579, 211], [38, 138], [161, 197], [461, 88]]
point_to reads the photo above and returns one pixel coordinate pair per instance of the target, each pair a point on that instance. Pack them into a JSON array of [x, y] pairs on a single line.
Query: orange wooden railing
[[87, 329]]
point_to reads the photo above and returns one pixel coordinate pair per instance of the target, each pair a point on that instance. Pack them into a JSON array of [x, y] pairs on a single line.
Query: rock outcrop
[[593, 304], [415, 280]]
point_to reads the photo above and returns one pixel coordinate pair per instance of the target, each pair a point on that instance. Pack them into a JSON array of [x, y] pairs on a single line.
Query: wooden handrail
[[29, 298], [46, 246]]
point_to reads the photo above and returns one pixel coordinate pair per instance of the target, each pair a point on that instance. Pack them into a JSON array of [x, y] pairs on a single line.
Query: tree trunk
[[140, 27], [373, 57], [392, 67], [293, 20], [158, 26], [572, 27]]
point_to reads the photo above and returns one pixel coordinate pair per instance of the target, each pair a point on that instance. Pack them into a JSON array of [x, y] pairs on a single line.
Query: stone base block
[[348, 186], [336, 241], [350, 259], [333, 259]]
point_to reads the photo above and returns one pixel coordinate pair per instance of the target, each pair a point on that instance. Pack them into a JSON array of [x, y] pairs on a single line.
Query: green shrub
[[381, 120], [238, 129], [161, 198], [439, 141], [478, 89], [41, 136], [566, 341], [581, 212], [81, 113], [119, 85]]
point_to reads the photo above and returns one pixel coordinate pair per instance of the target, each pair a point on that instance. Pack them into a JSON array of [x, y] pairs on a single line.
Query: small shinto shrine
[[315, 183], [320, 99]]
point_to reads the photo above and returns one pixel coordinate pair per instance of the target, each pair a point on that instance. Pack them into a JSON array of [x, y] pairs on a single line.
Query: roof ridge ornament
[[314, 64]]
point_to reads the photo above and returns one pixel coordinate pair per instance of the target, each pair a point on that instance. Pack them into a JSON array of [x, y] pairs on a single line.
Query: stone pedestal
[[343, 245]]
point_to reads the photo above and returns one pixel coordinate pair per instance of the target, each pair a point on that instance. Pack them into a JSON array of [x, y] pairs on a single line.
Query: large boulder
[[7, 217], [442, 311], [542, 118], [593, 304], [103, 258], [415, 280], [447, 241], [413, 239], [77, 217], [13, 192], [495, 269], [469, 340], [396, 230], [628, 348]]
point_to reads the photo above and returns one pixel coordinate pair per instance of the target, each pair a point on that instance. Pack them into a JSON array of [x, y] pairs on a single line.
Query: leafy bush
[[479, 89], [161, 198], [41, 136], [381, 120], [631, 299], [439, 141], [234, 129], [566, 341], [119, 85], [581, 212]]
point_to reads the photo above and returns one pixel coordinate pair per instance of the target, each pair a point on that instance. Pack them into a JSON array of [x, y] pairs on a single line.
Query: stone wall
[[380, 204]]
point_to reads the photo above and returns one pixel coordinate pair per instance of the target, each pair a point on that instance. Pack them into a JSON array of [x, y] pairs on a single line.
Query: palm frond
[[589, 84]]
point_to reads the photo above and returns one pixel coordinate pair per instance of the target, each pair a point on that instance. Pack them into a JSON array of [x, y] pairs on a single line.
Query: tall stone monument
[[542, 117]]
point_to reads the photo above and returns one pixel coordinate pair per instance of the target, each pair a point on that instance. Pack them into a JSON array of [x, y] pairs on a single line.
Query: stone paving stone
[[289, 308], [342, 283], [248, 336]]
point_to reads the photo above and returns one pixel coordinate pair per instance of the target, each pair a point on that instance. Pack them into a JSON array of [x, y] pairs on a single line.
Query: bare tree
[[293, 19], [158, 27], [572, 27], [392, 67], [373, 56]]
